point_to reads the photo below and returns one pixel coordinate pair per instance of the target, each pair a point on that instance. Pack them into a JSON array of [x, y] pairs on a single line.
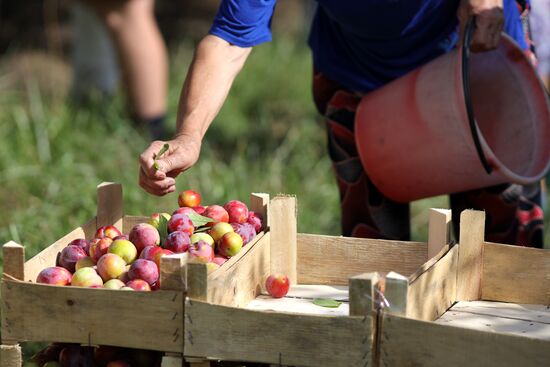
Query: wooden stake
[[470, 255], [259, 203], [109, 205], [396, 293], [14, 261], [197, 282], [172, 271], [282, 217], [362, 294], [439, 230], [10, 356]]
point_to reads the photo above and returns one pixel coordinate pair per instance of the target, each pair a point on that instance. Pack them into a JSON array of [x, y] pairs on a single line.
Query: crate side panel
[[148, 320], [409, 342], [515, 274], [279, 338], [332, 260]]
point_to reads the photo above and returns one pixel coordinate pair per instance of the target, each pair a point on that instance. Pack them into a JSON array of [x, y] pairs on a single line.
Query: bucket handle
[[469, 29]]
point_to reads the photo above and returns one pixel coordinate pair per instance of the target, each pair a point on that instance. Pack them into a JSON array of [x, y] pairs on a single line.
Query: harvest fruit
[[85, 262], [149, 252], [138, 285], [107, 231], [55, 275], [155, 219], [256, 220], [201, 252], [160, 254], [125, 249], [230, 244], [237, 211], [277, 285], [177, 242], [110, 266], [145, 270], [245, 230], [180, 222], [219, 260], [189, 198], [114, 284], [219, 229], [143, 235], [217, 214], [86, 277], [184, 210], [80, 242], [70, 255], [99, 248], [201, 236]]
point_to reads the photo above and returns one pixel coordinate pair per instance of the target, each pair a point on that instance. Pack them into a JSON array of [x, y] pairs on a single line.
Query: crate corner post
[[439, 230], [110, 206], [470, 255], [283, 229]]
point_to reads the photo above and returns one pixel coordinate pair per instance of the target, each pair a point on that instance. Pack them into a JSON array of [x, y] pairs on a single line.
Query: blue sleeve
[[244, 23], [512, 23]]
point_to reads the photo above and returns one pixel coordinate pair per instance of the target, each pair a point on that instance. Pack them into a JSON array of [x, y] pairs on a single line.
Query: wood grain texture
[[236, 284], [409, 342], [172, 272], [439, 230], [434, 291], [516, 274], [14, 261], [228, 333], [144, 320], [10, 356], [197, 281], [259, 203], [470, 255], [332, 259], [109, 205], [362, 294], [395, 291], [282, 225], [532, 321], [48, 256]]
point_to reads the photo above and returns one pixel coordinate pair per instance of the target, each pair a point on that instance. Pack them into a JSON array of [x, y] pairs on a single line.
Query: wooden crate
[[475, 304], [219, 324], [45, 313]]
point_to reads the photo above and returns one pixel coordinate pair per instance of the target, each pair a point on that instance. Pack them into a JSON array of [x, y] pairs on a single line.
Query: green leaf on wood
[[327, 302]]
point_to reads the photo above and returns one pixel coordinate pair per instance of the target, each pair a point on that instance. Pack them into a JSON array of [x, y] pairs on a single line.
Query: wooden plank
[[109, 205], [516, 274], [531, 321], [14, 261], [228, 333], [362, 294], [48, 256], [197, 281], [395, 291], [10, 356], [296, 305], [282, 225], [434, 291], [527, 312], [470, 255], [240, 282], [439, 230], [311, 291], [332, 260], [409, 342], [172, 272], [143, 320], [259, 203], [172, 360], [129, 221]]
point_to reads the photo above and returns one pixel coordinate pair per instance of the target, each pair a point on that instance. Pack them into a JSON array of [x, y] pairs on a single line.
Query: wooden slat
[[48, 256], [530, 321], [516, 274], [172, 272], [144, 320], [332, 260], [284, 339], [240, 282], [409, 342], [395, 291], [362, 294], [434, 291], [259, 203], [282, 225], [10, 356], [470, 255], [197, 281], [296, 305], [439, 230], [109, 205], [129, 221], [14, 261]]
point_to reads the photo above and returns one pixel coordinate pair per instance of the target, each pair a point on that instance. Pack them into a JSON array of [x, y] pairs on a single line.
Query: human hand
[[157, 174], [489, 22]]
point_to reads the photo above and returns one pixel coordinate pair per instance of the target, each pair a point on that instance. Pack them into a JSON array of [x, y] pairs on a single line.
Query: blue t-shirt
[[361, 44]]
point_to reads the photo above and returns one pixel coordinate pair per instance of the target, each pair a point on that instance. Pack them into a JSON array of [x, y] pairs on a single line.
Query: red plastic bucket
[[438, 130]]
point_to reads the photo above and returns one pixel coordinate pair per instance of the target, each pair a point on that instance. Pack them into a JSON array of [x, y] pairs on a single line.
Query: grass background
[[267, 138]]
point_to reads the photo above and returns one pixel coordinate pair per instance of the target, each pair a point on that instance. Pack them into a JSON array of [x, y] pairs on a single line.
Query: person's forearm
[[215, 65]]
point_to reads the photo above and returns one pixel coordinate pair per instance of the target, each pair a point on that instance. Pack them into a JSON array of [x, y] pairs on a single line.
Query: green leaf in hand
[[162, 150], [327, 302]]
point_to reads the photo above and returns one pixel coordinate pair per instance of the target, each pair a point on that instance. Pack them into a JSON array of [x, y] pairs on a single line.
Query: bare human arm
[[215, 65]]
